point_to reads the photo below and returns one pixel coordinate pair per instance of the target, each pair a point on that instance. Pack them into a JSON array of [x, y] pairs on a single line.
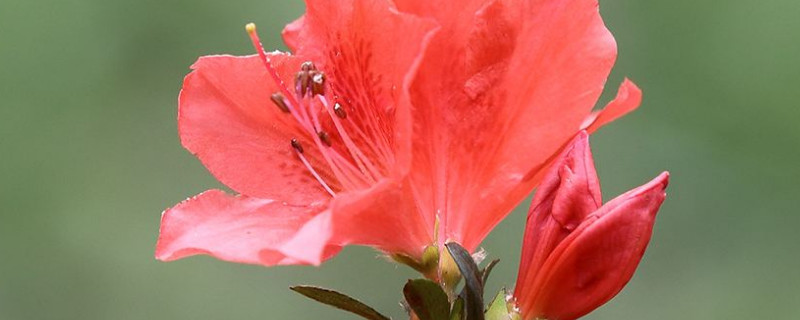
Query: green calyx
[[449, 273], [437, 297], [501, 309], [427, 265]]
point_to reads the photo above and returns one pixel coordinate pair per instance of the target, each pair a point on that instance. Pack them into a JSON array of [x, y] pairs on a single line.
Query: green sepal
[[457, 312], [473, 288], [426, 299], [426, 266], [487, 271], [498, 309], [340, 301]]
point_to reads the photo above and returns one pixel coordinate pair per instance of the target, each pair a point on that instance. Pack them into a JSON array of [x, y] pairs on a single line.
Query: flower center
[[352, 167]]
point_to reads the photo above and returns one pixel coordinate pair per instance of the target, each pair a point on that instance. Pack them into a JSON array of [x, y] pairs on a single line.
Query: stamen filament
[[339, 162], [298, 149], [354, 177], [354, 172], [336, 165], [251, 31], [361, 159]]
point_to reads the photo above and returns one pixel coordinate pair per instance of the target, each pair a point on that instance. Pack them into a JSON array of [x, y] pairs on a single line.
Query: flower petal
[[369, 52], [381, 217], [293, 34], [496, 98], [239, 229], [569, 193], [563, 55], [226, 118], [592, 265], [628, 98]]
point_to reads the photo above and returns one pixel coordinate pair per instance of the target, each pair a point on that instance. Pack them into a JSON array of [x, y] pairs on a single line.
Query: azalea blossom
[[578, 253], [399, 125]]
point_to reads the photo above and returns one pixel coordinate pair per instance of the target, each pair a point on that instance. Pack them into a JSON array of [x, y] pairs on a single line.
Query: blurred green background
[[89, 157]]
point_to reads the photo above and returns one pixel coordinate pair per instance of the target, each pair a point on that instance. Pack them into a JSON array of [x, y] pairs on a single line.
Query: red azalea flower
[[577, 254], [398, 125]]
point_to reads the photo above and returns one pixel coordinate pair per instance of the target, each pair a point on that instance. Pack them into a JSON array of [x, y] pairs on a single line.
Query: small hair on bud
[[250, 27], [297, 146]]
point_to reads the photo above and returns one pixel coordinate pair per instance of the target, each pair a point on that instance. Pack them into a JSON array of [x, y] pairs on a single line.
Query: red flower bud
[[577, 254]]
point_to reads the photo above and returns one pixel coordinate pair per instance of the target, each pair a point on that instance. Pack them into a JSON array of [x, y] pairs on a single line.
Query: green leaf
[[488, 270], [498, 309], [427, 299], [457, 313], [473, 298], [339, 300]]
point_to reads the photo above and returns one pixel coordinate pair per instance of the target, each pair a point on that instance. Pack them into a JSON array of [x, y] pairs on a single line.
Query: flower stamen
[[309, 81], [317, 83], [362, 160], [354, 172], [280, 101], [324, 137], [251, 31], [298, 148], [339, 111], [302, 82]]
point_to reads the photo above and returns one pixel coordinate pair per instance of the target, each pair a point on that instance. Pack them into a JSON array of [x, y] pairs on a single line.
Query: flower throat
[[352, 167]]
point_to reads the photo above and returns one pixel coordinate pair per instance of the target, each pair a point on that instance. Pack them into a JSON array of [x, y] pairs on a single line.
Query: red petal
[[227, 120], [455, 16], [239, 229], [293, 33], [381, 217], [498, 94], [369, 53], [628, 98], [593, 264], [569, 193]]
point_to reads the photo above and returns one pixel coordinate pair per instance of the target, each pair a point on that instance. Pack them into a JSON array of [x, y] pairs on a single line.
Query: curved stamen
[[339, 111], [280, 101], [251, 30], [298, 148], [361, 160], [338, 162], [325, 138], [354, 172], [288, 100]]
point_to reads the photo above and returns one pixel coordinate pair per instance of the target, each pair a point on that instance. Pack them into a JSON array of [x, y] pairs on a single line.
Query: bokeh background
[[89, 157]]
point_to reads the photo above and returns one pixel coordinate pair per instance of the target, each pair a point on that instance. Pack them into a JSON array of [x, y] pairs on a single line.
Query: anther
[[280, 101], [301, 83], [317, 83], [337, 108], [308, 66], [297, 146], [324, 137]]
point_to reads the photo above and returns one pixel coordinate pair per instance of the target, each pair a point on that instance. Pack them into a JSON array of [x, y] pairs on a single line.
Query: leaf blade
[[427, 299], [340, 301], [457, 312], [472, 280]]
